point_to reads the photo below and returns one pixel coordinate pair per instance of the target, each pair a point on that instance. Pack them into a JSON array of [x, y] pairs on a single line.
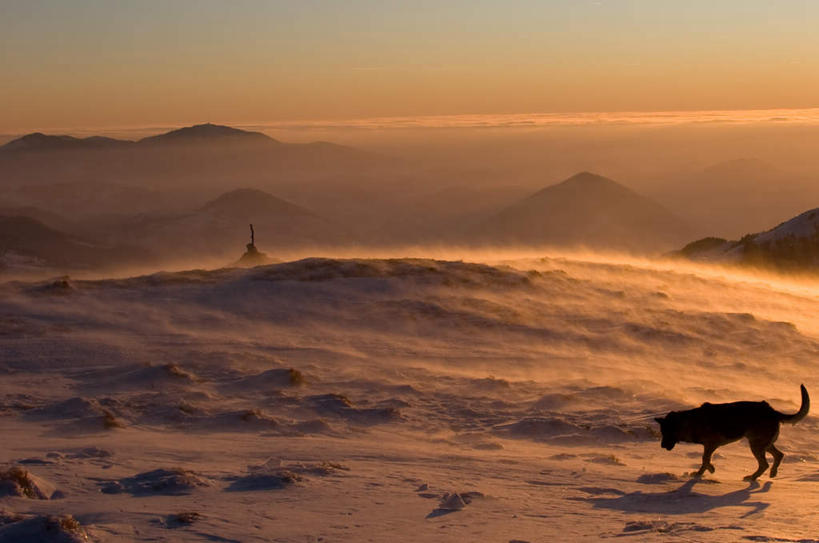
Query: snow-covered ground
[[399, 400]]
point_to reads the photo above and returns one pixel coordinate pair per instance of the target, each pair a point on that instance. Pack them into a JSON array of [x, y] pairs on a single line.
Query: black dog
[[714, 425]]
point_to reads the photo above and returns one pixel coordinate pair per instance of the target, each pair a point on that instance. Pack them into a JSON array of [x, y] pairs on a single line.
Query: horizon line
[[801, 116]]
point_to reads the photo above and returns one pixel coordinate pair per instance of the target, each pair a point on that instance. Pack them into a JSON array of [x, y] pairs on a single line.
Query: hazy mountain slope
[[254, 203], [48, 218], [38, 141], [208, 132], [735, 197], [26, 243], [792, 245], [220, 227], [79, 199], [585, 210]]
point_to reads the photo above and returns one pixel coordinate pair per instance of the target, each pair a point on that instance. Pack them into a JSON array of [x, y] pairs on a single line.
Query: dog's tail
[[803, 410]]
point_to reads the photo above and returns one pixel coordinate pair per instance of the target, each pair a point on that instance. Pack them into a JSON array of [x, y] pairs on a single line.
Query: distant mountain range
[[585, 210], [792, 245], [201, 157], [105, 185], [43, 142], [183, 194], [201, 133], [220, 228]]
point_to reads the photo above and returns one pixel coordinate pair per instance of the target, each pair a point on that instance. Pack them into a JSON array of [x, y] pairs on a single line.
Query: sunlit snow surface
[[351, 399]]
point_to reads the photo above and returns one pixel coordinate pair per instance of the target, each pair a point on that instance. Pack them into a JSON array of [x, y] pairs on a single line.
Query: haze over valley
[[189, 193]]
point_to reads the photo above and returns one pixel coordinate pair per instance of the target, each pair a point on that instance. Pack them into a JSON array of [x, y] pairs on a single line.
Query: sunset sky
[[119, 63]]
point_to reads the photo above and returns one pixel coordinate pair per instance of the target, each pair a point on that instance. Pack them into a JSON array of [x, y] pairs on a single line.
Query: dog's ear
[[658, 419]]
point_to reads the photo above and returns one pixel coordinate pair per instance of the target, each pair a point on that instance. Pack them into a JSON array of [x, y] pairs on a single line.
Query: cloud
[[807, 116], [533, 120]]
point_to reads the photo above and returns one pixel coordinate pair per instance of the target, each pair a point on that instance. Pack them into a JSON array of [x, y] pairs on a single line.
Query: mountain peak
[[586, 185], [251, 203], [588, 180], [207, 132]]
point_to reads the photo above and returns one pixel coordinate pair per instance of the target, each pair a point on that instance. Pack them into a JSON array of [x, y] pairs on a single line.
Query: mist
[[184, 197]]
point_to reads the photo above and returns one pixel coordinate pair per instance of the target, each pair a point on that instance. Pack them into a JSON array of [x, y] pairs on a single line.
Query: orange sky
[[99, 63]]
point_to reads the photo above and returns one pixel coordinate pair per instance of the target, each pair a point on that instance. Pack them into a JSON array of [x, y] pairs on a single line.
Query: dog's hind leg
[[706, 460], [778, 455], [759, 453]]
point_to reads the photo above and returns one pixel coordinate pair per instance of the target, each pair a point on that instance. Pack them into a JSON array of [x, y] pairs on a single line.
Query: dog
[[715, 425]]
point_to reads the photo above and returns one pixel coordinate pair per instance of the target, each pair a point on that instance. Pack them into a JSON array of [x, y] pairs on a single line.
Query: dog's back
[[727, 422]]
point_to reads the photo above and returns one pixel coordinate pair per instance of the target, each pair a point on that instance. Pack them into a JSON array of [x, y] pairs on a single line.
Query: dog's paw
[[711, 468], [750, 477]]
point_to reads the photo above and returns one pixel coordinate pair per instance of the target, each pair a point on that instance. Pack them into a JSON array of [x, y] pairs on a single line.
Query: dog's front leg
[[706, 460]]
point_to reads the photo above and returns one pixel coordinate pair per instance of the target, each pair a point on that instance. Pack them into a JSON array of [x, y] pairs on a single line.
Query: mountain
[[219, 229], [208, 133], [252, 203], [43, 142], [792, 245], [585, 210], [27, 243]]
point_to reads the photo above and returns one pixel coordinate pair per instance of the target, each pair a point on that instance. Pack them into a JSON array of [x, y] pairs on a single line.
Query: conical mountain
[[220, 227], [586, 210], [252, 204]]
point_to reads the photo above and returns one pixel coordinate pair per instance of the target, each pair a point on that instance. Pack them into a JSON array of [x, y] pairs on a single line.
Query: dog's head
[[670, 428]]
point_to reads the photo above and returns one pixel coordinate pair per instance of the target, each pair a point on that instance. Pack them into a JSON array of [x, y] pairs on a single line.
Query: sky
[[98, 63]]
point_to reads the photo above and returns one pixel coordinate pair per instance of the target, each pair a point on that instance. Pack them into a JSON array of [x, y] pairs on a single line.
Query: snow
[[402, 399], [802, 226]]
